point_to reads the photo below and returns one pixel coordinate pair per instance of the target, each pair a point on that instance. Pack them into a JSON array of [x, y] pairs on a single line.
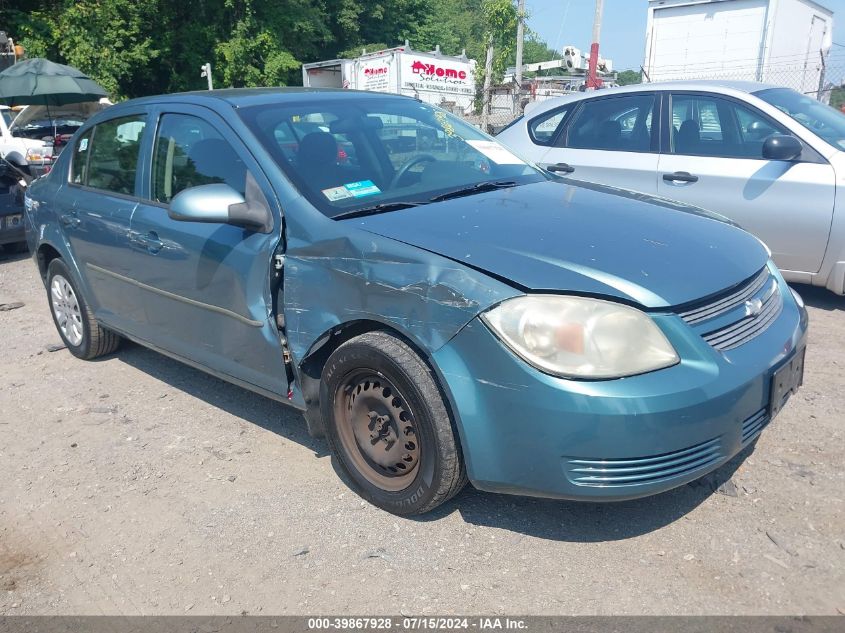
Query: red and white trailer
[[434, 78]]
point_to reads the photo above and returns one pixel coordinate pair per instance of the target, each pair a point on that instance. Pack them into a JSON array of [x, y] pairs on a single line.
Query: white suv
[[32, 155], [766, 157]]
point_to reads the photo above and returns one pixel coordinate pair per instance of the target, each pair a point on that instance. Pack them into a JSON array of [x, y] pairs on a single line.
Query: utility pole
[[485, 91], [206, 72], [593, 80], [520, 37]]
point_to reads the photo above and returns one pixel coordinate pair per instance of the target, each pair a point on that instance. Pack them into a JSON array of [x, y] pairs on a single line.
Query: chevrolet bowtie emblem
[[753, 307]]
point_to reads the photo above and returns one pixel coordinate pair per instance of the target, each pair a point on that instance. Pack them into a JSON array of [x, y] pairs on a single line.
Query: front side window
[[817, 117], [544, 128], [113, 152], [704, 125], [622, 124], [189, 152], [356, 153]]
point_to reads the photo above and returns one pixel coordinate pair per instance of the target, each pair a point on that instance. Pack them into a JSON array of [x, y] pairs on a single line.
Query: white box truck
[[441, 80], [774, 41]]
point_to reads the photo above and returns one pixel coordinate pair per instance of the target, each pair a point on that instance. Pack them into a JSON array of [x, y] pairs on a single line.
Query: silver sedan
[[766, 157]]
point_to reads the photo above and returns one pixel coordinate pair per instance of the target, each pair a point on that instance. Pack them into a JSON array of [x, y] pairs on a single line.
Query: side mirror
[[782, 147], [219, 203]]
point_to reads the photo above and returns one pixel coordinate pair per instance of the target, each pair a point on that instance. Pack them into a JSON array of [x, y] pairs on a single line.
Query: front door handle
[[70, 220], [680, 176], [562, 167], [148, 242]]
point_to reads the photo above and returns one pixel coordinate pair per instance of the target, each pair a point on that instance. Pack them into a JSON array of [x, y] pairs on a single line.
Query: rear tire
[[388, 425], [82, 334]]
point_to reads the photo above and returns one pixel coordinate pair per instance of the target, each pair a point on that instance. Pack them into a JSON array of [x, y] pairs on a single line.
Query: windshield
[[8, 117], [362, 153], [817, 117]]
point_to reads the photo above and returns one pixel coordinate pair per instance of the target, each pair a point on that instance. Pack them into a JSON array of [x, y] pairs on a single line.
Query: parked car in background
[[32, 155], [33, 137], [768, 158], [439, 314], [12, 187]]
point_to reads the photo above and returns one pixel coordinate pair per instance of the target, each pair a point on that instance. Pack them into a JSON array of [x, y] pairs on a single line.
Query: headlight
[[578, 337], [37, 155]]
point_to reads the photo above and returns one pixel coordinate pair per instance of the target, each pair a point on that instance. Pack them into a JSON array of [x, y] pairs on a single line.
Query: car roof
[[241, 97], [723, 86]]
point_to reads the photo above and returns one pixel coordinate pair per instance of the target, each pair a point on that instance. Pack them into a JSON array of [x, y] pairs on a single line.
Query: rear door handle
[[70, 220], [680, 176], [562, 167]]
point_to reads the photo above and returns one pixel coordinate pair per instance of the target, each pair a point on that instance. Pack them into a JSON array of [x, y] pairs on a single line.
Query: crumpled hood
[[554, 236]]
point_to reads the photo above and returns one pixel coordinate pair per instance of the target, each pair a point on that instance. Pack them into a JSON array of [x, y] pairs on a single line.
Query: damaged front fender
[[336, 273]]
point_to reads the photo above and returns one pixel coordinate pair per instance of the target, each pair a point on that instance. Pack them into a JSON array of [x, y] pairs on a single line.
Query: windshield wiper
[[480, 187], [375, 209]]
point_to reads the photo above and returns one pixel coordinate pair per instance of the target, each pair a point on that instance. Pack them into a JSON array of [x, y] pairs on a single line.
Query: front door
[[715, 160], [206, 286]]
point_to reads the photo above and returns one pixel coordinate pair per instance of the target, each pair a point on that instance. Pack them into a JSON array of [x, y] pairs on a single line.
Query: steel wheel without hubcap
[[377, 430], [66, 309]]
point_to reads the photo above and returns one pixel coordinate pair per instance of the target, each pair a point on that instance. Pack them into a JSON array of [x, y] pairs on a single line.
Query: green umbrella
[[41, 82]]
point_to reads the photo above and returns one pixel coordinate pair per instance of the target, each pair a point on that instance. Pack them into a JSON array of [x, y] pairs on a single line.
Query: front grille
[[643, 470], [749, 310], [754, 424]]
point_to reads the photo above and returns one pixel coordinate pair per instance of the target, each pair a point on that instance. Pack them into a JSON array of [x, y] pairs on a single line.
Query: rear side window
[[189, 152], [79, 164], [112, 155], [622, 124], [544, 128]]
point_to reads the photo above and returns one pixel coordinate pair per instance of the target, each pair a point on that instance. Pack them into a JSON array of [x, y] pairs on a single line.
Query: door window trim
[[808, 153], [657, 114]]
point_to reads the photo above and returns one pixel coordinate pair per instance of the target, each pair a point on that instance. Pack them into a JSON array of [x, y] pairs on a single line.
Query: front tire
[[81, 333], [388, 425]]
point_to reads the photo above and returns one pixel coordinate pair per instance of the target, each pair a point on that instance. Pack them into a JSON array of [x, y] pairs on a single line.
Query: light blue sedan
[[437, 307]]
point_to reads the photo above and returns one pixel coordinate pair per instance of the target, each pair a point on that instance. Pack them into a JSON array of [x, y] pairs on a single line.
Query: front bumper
[[524, 432]]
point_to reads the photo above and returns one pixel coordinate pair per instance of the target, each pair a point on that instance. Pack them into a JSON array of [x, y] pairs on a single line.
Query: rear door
[[610, 140], [95, 211], [205, 286], [713, 159]]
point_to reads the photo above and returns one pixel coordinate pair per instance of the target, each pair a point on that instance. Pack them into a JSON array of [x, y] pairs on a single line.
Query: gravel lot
[[136, 485]]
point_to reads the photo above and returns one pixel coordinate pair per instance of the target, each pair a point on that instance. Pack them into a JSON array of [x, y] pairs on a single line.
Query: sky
[[570, 22]]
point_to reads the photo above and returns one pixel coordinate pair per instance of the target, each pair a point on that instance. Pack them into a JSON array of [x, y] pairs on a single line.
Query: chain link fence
[[823, 80]]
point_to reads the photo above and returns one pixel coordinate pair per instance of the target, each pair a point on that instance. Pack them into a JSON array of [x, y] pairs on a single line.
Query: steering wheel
[[416, 160]]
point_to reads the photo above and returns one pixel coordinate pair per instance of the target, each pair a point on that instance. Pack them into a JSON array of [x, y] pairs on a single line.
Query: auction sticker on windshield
[[359, 189], [496, 153]]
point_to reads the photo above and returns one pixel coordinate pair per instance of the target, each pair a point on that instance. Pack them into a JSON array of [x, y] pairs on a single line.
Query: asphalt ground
[[136, 485]]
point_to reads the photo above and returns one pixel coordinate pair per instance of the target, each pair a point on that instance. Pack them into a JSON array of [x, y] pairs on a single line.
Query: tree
[[253, 56], [628, 77], [500, 19], [140, 47]]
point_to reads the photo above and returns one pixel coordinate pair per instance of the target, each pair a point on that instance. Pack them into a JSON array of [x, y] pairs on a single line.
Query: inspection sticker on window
[[337, 193], [496, 153], [359, 189], [83, 145]]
